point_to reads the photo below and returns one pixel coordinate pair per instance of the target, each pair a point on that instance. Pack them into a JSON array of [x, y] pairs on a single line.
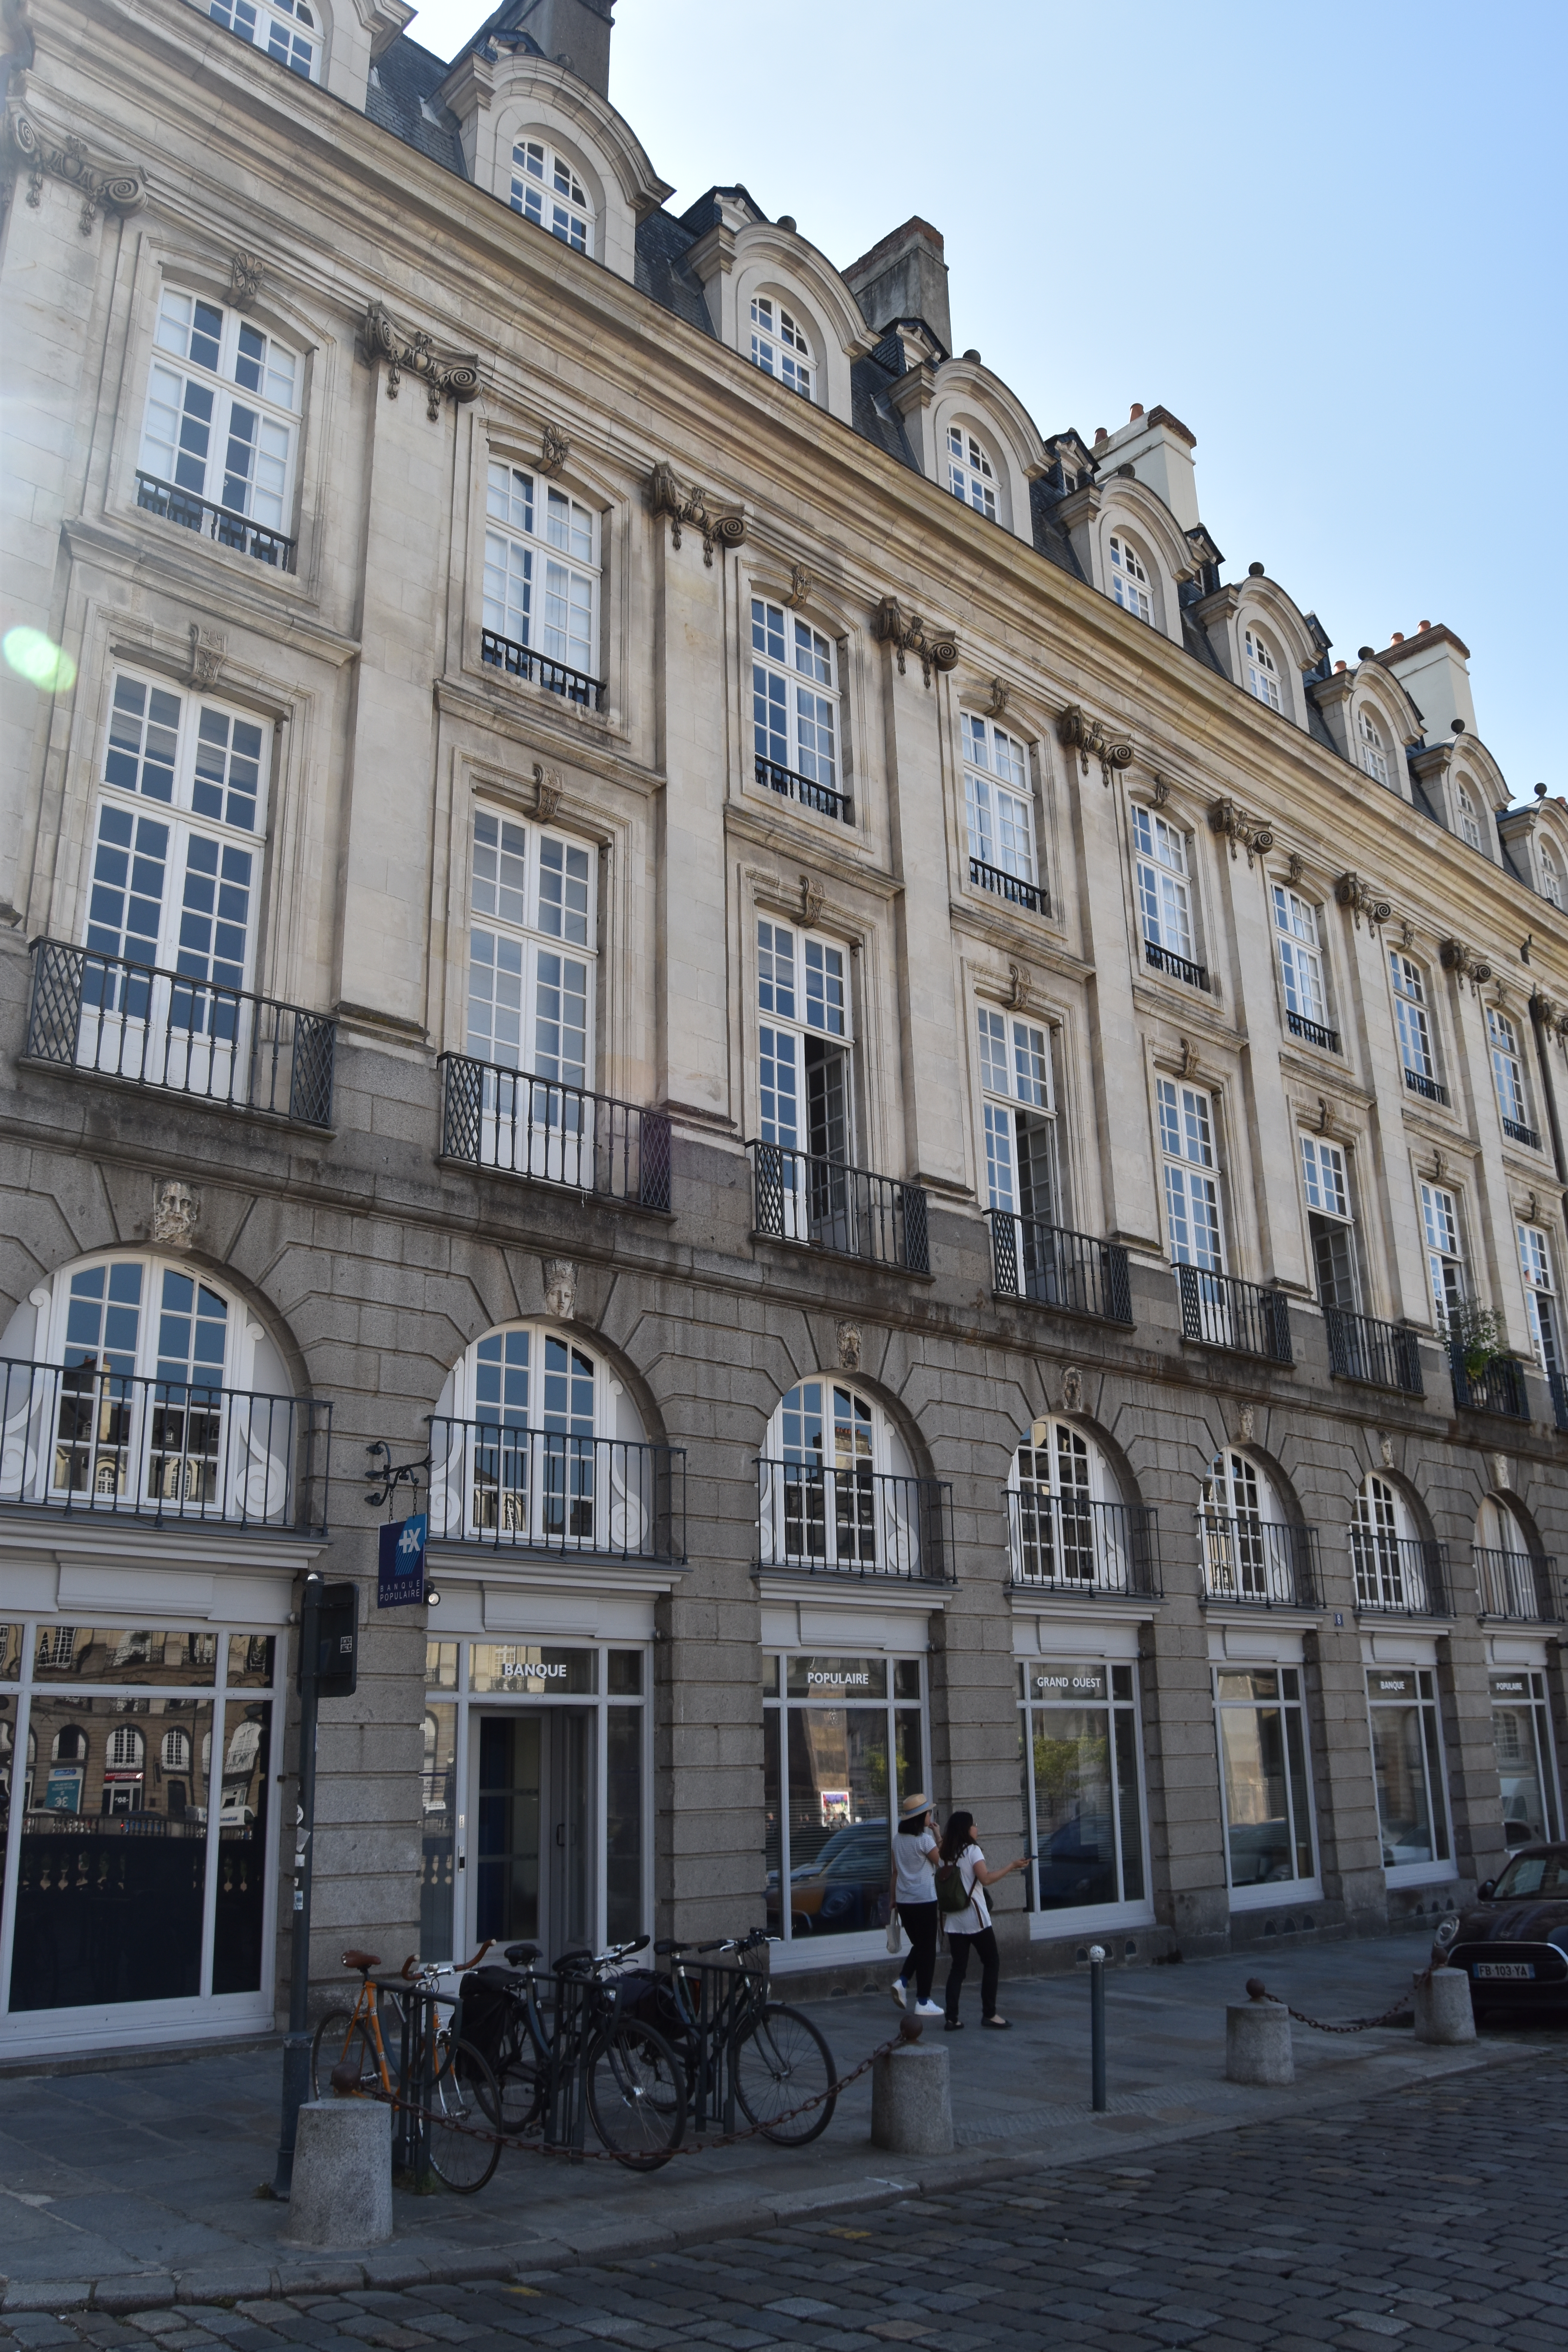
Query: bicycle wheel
[[340, 2037], [636, 2095], [463, 2117], [522, 2078], [780, 2061]]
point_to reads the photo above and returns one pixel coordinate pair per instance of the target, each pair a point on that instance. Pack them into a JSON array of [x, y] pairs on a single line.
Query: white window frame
[[542, 572], [998, 802], [1325, 1180], [846, 1501], [1551, 876], [546, 187], [208, 430], [1048, 1686], [1017, 1109], [1537, 1266], [779, 345], [1509, 1080], [817, 1007], [1300, 955], [1129, 582], [1264, 677], [971, 476], [1194, 1221], [1163, 877], [1373, 756], [290, 30], [1069, 1530], [1443, 1238], [1423, 1678], [796, 706], [1412, 1018], [533, 959], [1288, 1700], [1469, 824]]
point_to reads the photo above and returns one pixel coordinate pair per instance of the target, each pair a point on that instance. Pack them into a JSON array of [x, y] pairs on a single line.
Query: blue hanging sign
[[400, 1581]]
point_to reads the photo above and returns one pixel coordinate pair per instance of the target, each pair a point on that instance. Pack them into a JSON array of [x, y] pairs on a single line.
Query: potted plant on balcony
[[1475, 1337]]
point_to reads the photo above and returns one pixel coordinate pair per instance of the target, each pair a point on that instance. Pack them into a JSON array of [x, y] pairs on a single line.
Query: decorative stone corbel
[[908, 633], [546, 790], [1189, 1057], [810, 900], [245, 275], [176, 1213], [411, 351], [1294, 868], [1244, 1423], [849, 1337], [1362, 899], [1021, 979], [725, 525], [555, 449], [1090, 740], [1458, 958], [1072, 1390], [1241, 830], [1000, 691], [1161, 794], [560, 1287], [208, 647], [799, 587], [103, 184]]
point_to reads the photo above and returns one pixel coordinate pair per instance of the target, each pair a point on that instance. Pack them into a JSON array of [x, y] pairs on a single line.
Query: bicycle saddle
[[519, 1953], [362, 1960], [665, 1945]]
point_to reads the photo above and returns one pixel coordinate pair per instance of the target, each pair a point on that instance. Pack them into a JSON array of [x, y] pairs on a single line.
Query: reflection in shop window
[[1527, 1767], [1407, 1762], [439, 1793], [1081, 1791], [1263, 1769], [847, 1741]]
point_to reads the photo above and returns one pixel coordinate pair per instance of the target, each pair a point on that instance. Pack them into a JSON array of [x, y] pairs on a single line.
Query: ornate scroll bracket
[[909, 632], [546, 790], [208, 647], [1552, 1022], [723, 526], [102, 184], [1090, 740], [1021, 980], [1458, 958], [555, 449], [1360, 896], [799, 587], [1242, 831], [245, 275], [453, 374], [997, 704]]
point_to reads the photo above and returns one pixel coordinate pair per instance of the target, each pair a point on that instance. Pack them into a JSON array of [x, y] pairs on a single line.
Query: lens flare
[[39, 660]]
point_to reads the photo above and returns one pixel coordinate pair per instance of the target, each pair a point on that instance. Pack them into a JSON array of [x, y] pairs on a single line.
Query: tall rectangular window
[[1192, 1177], [1445, 1258], [1016, 1109], [1164, 890], [844, 1745], [804, 1043], [221, 419], [1414, 1028], [1330, 1227], [1300, 956], [997, 808], [1408, 1765], [532, 951], [1262, 1737], [795, 708], [1082, 1786], [1535, 1260], [1507, 1076], [541, 570]]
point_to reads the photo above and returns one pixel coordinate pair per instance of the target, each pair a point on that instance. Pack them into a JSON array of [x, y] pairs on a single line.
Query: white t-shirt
[[978, 1916], [912, 1860]]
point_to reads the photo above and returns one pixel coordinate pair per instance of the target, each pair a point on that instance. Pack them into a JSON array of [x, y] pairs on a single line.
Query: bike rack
[[419, 2027], [712, 2094]]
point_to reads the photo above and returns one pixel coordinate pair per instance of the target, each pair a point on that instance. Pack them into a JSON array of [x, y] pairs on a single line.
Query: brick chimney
[[904, 276]]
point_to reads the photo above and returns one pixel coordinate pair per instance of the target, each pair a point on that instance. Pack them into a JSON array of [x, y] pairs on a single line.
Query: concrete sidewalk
[[139, 2185]]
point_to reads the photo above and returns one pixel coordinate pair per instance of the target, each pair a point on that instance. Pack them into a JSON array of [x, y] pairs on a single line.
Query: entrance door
[[535, 1860]]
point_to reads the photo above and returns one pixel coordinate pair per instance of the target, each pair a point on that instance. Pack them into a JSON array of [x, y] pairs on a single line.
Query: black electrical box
[[337, 1641]]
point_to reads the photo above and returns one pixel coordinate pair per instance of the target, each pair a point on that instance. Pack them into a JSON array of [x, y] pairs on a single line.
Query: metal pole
[[297, 2045], [1097, 2026]]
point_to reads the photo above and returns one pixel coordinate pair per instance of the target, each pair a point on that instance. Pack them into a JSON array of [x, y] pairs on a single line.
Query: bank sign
[[400, 1578]]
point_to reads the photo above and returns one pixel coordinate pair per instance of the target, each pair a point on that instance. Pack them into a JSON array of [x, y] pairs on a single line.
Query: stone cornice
[[805, 844], [412, 351], [29, 145], [538, 726], [221, 589]]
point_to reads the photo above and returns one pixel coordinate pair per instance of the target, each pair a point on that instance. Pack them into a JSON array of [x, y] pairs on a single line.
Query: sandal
[[998, 2024]]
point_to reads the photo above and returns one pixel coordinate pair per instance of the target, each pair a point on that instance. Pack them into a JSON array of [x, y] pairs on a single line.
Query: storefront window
[[1263, 1768], [1521, 1726], [845, 1743], [1081, 1791], [526, 1673], [439, 1803], [1407, 1762]]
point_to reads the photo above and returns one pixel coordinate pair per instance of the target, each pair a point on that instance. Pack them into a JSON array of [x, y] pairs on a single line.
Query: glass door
[[534, 1860]]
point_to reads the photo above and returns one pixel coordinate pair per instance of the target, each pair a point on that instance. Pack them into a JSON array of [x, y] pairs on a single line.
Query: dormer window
[[1469, 824], [1374, 758], [1128, 580], [1550, 877], [1262, 671], [970, 477], [779, 346], [286, 29], [546, 190]]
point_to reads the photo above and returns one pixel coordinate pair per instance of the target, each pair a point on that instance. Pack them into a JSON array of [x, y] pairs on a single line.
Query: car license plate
[[1505, 1968]]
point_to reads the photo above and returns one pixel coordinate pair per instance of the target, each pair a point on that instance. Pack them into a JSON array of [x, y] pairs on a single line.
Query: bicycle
[[760, 2054], [631, 2082], [462, 2107]]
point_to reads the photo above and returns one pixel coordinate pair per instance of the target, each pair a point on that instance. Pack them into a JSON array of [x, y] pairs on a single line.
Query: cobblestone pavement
[[1435, 2215]]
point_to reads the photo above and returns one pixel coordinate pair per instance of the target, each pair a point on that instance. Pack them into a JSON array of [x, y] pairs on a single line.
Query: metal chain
[[1257, 1990]]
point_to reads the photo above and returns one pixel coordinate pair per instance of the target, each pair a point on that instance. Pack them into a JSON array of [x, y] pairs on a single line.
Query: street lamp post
[[1097, 2026]]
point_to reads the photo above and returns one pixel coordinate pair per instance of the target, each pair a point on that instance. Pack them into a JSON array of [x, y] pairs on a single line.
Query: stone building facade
[[938, 1135]]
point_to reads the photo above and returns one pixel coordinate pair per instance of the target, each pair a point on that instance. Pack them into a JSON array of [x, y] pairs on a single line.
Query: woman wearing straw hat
[[912, 1894]]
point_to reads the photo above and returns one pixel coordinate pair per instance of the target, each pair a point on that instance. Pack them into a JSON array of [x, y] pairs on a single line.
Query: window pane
[[840, 1834], [87, 1654], [773, 1812], [1404, 1803], [1132, 1823], [624, 1822], [1257, 1798], [1075, 1830], [244, 1793]]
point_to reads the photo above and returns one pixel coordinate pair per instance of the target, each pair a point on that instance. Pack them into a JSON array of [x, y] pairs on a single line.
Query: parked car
[[1513, 1940], [845, 1887]]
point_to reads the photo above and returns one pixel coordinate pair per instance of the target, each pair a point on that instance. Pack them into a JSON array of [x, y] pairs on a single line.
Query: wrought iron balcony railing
[[855, 1522], [1517, 1132], [1179, 967], [1316, 1032], [1225, 1312], [1064, 1543], [1383, 1355], [1011, 887], [1399, 1576], [556, 676], [1055, 1267], [1266, 1563], [791, 786], [1429, 1089], [548, 1490], [1516, 1584], [1498, 1388], [1559, 1387], [155, 1028], [799, 1197], [225, 525], [83, 1438], [525, 1125]]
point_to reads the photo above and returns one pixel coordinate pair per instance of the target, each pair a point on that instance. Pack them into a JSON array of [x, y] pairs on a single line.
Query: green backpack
[[952, 1896]]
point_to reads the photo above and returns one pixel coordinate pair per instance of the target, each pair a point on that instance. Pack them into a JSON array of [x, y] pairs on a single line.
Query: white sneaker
[[896, 1990], [929, 2009]]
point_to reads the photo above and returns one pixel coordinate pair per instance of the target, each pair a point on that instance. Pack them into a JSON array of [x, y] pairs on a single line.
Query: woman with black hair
[[912, 1894], [970, 1928]]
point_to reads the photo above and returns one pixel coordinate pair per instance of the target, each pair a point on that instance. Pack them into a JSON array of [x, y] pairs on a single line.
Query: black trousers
[[920, 1922], [990, 1969]]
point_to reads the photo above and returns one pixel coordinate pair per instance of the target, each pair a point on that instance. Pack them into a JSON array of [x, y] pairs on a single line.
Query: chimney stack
[[573, 32], [904, 276]]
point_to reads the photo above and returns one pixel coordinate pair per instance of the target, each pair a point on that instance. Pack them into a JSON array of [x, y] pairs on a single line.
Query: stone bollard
[[1442, 2003], [1257, 2043], [341, 2192], [911, 2103]]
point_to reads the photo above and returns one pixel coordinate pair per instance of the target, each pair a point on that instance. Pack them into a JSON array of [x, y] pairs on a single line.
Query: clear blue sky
[[1331, 239]]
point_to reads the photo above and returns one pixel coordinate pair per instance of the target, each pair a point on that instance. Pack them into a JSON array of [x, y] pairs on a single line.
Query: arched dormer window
[[288, 30], [1070, 1530], [1464, 809], [971, 476], [546, 189], [1263, 670], [837, 1488], [1373, 756], [1129, 578], [779, 344], [1550, 876]]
